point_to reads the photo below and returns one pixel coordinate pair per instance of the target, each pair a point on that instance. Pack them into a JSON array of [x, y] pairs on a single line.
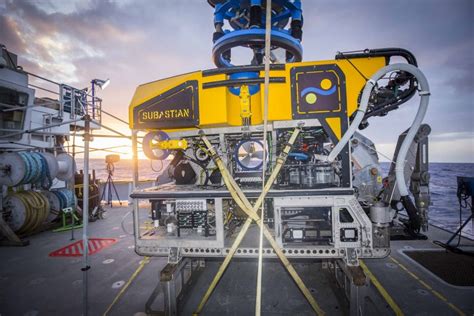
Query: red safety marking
[[76, 249]]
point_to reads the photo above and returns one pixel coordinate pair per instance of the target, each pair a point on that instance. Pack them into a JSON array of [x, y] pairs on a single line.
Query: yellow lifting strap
[[251, 211]]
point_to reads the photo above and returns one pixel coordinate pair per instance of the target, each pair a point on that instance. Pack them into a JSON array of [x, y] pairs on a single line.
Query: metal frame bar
[[170, 275], [39, 128], [85, 216]]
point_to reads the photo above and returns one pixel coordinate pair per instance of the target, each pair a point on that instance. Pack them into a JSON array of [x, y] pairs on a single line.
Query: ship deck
[[33, 283]]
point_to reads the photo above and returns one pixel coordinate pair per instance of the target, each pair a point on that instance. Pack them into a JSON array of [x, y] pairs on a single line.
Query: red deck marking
[[76, 249]]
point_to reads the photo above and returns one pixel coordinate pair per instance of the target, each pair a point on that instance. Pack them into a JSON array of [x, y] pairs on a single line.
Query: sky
[[138, 41]]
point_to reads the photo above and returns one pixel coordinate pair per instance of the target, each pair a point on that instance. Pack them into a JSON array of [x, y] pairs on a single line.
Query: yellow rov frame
[[324, 90]]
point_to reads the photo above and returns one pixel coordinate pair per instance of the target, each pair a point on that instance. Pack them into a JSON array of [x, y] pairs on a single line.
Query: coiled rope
[[36, 170], [66, 198], [36, 210]]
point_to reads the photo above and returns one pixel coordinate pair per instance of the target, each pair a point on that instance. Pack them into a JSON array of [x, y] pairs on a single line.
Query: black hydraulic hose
[[255, 16], [414, 224], [393, 103], [389, 105], [381, 52]]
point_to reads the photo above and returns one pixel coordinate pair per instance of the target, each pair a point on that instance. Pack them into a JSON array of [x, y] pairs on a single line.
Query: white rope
[[268, 28], [378, 152]]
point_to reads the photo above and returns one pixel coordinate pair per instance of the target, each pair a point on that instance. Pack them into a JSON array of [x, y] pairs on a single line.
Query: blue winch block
[[247, 22]]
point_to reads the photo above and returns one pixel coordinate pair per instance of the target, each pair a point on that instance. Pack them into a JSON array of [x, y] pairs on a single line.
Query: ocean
[[444, 211]]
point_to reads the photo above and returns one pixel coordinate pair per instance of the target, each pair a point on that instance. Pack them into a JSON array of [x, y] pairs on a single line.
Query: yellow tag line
[[396, 309], [429, 288], [143, 263]]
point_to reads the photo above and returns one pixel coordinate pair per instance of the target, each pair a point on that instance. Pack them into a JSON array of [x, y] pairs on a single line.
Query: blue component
[[218, 18], [40, 167], [255, 2], [226, 10], [299, 156], [242, 37], [279, 17], [244, 75], [276, 33], [296, 13], [229, 9], [318, 91], [155, 136], [238, 14]]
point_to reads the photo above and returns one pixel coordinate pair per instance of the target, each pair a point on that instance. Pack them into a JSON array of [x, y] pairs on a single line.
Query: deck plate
[[455, 269]]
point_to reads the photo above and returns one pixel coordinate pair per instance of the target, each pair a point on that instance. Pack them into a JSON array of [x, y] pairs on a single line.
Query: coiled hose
[[36, 208]]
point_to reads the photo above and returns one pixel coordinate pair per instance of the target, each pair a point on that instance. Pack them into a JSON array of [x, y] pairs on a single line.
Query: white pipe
[[85, 219], [424, 93], [364, 103]]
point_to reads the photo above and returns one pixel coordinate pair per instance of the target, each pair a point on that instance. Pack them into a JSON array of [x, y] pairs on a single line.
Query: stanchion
[[85, 217]]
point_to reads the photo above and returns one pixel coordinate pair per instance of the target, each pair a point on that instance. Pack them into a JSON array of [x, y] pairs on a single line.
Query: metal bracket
[[174, 255], [174, 281], [351, 257], [363, 291]]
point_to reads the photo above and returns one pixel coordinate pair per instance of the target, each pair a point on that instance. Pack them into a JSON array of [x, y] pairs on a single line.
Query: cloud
[[137, 41], [57, 43], [455, 135], [447, 150], [10, 33]]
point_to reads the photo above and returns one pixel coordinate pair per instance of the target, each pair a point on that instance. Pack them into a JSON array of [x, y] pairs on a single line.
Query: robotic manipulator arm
[[416, 169], [411, 155]]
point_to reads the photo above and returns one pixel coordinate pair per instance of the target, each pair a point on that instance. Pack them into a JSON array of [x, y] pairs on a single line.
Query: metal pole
[[136, 226], [112, 130], [85, 216], [93, 98], [39, 77], [135, 158], [459, 229], [73, 223], [72, 183], [105, 150]]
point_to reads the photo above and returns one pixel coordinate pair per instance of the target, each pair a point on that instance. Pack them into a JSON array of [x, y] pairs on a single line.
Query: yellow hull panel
[[159, 102]]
